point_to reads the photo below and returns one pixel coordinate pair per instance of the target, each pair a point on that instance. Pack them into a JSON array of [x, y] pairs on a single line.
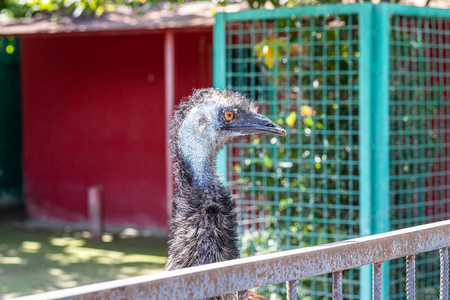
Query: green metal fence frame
[[374, 106]]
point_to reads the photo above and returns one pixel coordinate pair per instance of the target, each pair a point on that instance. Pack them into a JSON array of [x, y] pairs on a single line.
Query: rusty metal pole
[[337, 285], [376, 281], [411, 277], [243, 295], [444, 274], [95, 199], [291, 289]]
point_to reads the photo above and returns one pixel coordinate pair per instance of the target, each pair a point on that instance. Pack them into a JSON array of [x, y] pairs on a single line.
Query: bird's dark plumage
[[203, 224]]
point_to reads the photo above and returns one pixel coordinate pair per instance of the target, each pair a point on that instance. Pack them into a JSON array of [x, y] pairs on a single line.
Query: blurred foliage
[[8, 45], [77, 8], [58, 8], [288, 3]]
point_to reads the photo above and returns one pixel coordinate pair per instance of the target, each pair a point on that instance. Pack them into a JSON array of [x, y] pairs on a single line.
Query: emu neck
[[201, 162], [203, 225], [198, 142]]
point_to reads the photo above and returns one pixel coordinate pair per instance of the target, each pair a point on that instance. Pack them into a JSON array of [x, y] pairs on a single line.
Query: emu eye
[[229, 115]]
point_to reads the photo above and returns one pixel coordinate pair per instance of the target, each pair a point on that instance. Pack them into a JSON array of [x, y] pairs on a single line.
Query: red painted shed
[[97, 95]]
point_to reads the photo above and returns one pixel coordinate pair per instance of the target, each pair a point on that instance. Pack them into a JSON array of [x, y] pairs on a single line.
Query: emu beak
[[254, 123]]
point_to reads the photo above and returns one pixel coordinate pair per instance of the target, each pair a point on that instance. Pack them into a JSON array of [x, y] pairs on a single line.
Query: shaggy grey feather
[[203, 223]]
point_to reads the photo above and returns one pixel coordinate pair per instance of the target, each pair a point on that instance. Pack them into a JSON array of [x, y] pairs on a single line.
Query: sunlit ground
[[34, 262]]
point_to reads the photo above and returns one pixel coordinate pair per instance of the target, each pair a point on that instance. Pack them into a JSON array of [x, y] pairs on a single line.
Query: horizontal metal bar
[[409, 10], [324, 10], [304, 11], [242, 274]]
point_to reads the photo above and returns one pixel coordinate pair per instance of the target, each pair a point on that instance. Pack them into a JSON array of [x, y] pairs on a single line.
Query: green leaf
[[290, 120]]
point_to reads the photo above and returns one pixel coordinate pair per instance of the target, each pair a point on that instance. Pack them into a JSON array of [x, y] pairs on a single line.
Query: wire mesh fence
[[314, 70], [300, 190], [419, 151]]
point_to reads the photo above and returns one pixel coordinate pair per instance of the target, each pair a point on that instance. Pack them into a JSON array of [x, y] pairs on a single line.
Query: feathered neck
[[203, 223]]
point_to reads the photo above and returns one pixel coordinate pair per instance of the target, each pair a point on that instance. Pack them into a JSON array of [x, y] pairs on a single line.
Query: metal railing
[[287, 266]]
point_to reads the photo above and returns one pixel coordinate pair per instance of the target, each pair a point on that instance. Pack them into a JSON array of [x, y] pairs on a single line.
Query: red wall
[[93, 113], [193, 55]]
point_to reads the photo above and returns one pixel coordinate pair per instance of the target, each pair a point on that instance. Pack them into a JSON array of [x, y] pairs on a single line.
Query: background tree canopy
[[76, 8]]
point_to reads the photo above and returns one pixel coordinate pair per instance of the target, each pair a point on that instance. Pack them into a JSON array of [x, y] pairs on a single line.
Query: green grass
[[40, 261]]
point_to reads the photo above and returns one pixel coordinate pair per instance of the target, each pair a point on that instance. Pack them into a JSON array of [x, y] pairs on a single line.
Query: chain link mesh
[[419, 153], [304, 189], [301, 190]]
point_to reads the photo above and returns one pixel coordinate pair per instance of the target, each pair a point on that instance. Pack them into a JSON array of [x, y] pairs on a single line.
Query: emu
[[203, 223]]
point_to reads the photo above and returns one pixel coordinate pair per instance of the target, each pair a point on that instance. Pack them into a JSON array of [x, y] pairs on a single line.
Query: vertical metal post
[[219, 81], [291, 290], [243, 295], [380, 130], [411, 277], [381, 120], [376, 282], [169, 89], [95, 199], [443, 291], [337, 285], [365, 66]]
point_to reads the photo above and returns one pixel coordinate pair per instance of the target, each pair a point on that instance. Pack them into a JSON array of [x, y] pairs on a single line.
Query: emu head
[[209, 119]]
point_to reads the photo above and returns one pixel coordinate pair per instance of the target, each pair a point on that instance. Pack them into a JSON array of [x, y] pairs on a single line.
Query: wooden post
[[169, 84], [95, 199]]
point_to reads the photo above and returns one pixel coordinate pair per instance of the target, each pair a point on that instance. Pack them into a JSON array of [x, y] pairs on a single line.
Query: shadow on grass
[[34, 262]]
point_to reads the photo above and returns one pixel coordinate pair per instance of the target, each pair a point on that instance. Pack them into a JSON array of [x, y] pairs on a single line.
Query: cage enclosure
[[364, 92]]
